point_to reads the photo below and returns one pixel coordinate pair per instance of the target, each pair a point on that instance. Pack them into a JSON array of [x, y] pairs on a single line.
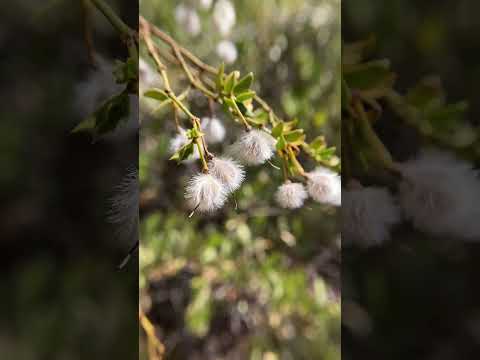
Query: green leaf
[[244, 84], [112, 113], [194, 133], [219, 80], [447, 117], [156, 94], [229, 83], [277, 130], [428, 92], [229, 102], [259, 117], [318, 143], [294, 135], [86, 125], [368, 76], [184, 152], [125, 72], [281, 143], [244, 96], [106, 118]]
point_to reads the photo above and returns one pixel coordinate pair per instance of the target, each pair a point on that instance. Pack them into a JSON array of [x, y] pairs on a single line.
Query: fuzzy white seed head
[[439, 194], [148, 77], [188, 18], [291, 195], [227, 51], [224, 16], [205, 193], [367, 216], [228, 172], [96, 88], [205, 4], [254, 147], [179, 140], [123, 205], [213, 129], [325, 186]]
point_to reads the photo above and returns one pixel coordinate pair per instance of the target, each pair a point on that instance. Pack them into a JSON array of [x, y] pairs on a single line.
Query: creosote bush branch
[[265, 133]]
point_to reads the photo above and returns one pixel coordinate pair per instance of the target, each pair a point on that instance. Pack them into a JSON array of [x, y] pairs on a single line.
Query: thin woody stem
[[296, 163], [248, 127], [87, 32], [200, 64], [191, 78], [114, 19], [152, 338]]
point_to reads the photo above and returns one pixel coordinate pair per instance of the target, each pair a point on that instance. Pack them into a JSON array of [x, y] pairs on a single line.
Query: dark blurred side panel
[[410, 209], [61, 294]]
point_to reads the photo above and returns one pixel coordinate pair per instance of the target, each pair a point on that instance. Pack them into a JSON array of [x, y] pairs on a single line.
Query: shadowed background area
[[62, 297], [417, 297]]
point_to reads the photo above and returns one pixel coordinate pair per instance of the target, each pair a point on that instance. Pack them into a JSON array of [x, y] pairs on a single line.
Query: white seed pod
[[123, 205], [439, 194], [213, 129], [179, 140], [367, 216], [254, 147], [205, 193], [227, 51], [325, 186], [224, 16], [228, 172], [291, 195]]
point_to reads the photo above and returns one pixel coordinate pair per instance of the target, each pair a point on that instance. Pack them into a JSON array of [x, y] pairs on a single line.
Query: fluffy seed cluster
[[214, 130], [255, 147], [325, 186], [291, 195], [228, 172], [227, 51], [367, 216], [205, 193], [440, 194], [224, 16], [180, 140], [123, 206]]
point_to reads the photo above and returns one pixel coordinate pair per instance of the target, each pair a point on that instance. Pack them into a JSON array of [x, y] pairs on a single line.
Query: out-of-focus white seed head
[[228, 172], [367, 216], [213, 129], [148, 77], [205, 193], [179, 140], [224, 16], [188, 18], [439, 194], [205, 4], [98, 87], [227, 51], [123, 205], [254, 147], [325, 186], [291, 195]]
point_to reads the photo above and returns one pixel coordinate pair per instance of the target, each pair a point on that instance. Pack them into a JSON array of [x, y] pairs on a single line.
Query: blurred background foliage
[[417, 296], [62, 297], [252, 281]]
